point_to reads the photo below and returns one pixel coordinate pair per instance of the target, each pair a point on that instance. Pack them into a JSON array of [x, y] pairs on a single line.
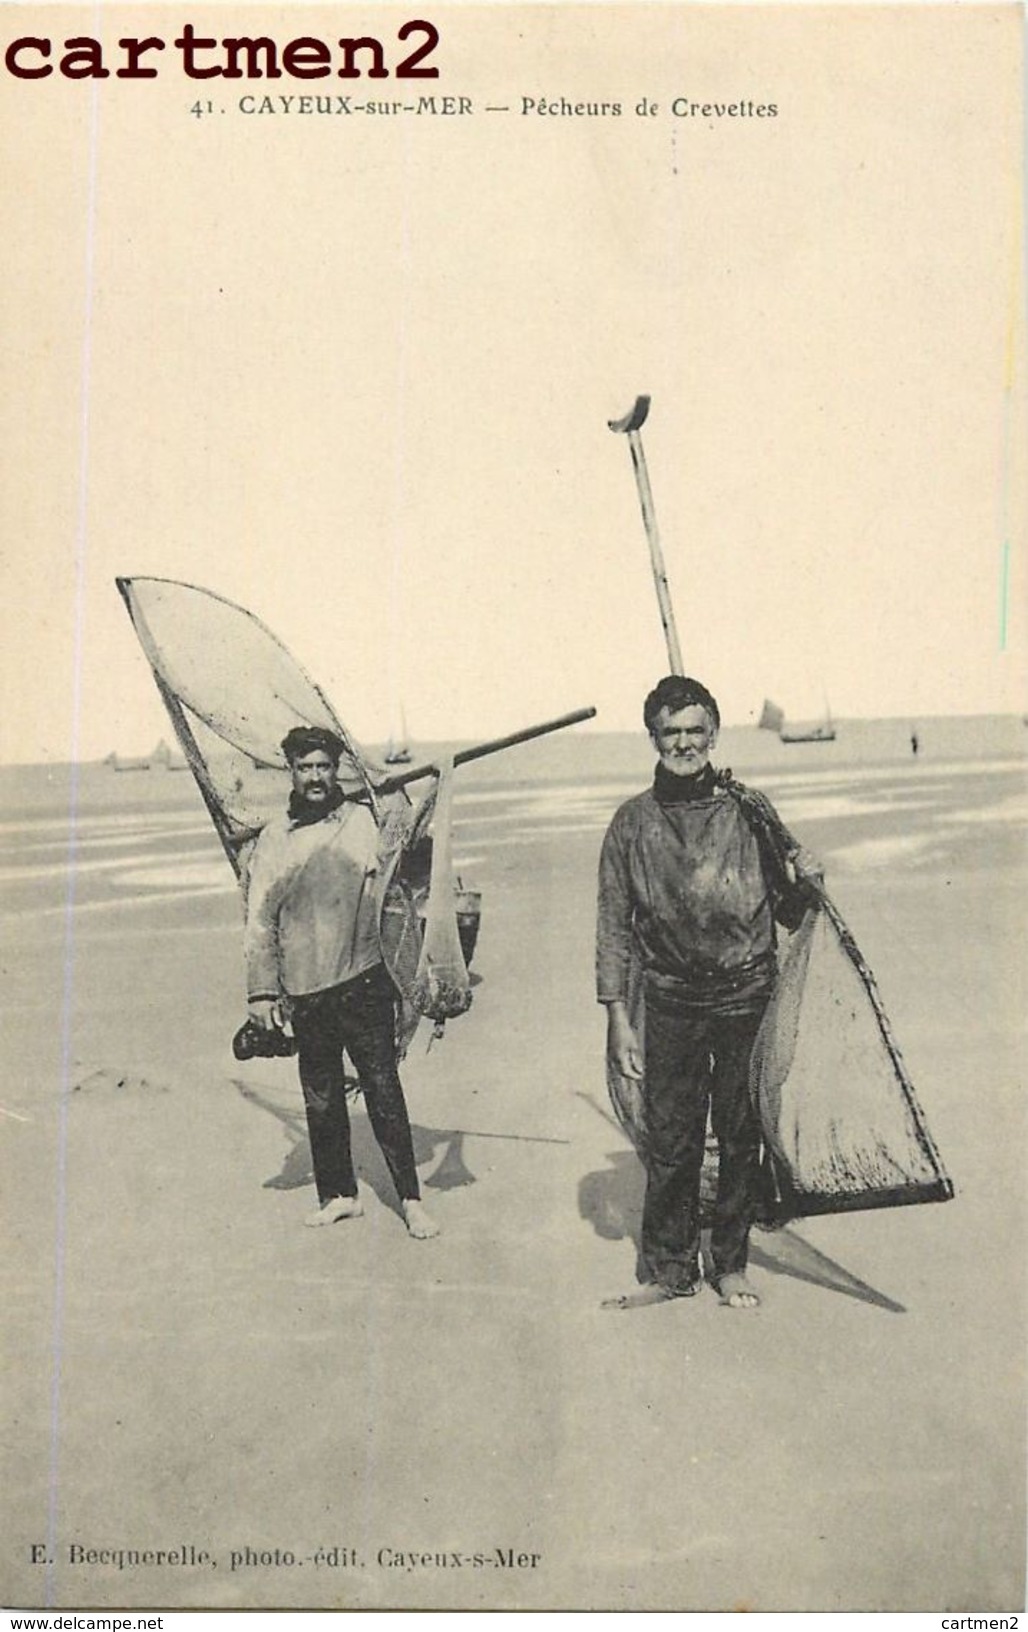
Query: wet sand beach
[[348, 1418]]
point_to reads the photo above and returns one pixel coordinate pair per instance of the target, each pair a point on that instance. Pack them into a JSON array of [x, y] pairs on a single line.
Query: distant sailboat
[[772, 718], [398, 750], [162, 759]]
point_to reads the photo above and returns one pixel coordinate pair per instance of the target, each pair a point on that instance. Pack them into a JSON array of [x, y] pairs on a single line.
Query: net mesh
[[442, 986], [840, 1119], [232, 691], [841, 1124], [240, 688], [406, 848], [247, 791]]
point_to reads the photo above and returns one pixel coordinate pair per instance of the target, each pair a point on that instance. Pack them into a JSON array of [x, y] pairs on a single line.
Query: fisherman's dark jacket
[[692, 889]]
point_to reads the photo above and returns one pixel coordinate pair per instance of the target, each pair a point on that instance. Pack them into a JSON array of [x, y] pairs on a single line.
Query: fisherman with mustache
[[694, 873], [313, 939]]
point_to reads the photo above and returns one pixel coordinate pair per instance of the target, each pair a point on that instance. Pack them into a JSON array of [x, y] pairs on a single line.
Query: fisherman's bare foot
[[419, 1224], [736, 1292], [339, 1207], [653, 1293]]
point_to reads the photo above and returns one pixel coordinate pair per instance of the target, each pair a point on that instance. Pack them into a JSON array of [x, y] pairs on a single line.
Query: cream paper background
[[355, 374]]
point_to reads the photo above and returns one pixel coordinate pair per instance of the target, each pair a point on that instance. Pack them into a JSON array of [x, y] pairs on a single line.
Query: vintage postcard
[[434, 380]]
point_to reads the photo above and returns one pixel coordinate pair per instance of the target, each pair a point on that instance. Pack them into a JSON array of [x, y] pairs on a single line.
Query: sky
[[355, 372]]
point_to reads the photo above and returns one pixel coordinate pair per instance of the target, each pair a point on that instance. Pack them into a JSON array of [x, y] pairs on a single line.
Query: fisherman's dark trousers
[[360, 1017], [695, 1058]]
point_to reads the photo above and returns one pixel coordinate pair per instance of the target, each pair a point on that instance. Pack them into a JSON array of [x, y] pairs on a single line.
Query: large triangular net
[[232, 691], [841, 1121], [841, 1124]]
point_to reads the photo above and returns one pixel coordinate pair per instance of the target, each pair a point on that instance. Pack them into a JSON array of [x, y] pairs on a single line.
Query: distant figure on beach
[[312, 937], [915, 742], [687, 888]]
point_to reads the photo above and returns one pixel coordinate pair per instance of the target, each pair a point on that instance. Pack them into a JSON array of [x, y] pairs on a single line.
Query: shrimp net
[[842, 1125], [232, 691], [442, 986], [842, 1128]]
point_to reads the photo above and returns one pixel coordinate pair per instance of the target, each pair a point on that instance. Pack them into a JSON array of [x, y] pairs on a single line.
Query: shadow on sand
[[611, 1201], [452, 1172]]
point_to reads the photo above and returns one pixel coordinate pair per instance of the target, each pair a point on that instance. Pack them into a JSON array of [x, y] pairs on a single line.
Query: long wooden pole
[[631, 426], [462, 757]]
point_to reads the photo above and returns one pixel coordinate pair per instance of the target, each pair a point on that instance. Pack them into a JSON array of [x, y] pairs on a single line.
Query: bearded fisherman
[[693, 874], [312, 937]]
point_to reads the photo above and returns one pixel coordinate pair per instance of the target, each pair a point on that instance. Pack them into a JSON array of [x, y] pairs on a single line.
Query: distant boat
[[398, 751], [819, 731], [162, 759], [772, 718]]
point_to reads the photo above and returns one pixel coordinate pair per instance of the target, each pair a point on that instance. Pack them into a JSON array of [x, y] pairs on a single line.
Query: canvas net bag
[[442, 986]]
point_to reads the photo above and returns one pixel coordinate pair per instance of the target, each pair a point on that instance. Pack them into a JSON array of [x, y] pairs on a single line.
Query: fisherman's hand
[[807, 868], [263, 1011], [623, 1049]]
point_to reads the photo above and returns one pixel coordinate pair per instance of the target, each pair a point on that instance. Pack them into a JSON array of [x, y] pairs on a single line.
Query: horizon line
[[587, 728]]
